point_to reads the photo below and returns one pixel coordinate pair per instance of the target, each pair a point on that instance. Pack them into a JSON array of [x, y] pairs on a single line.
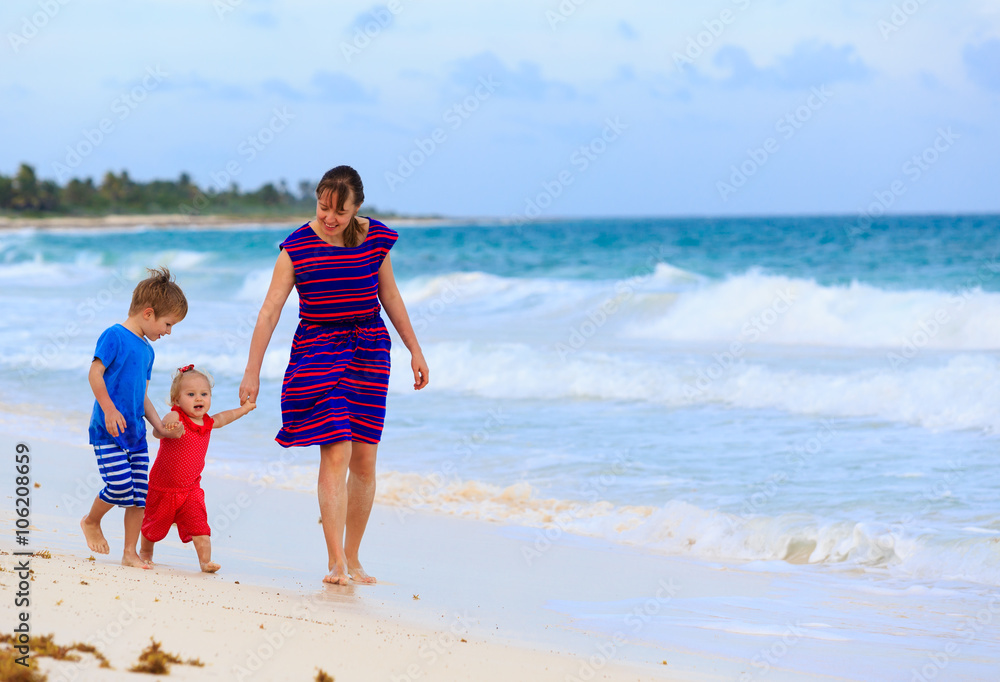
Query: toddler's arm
[[160, 428], [229, 416], [171, 426], [114, 420]]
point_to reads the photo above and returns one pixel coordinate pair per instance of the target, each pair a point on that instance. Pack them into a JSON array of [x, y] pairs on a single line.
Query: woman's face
[[331, 221]]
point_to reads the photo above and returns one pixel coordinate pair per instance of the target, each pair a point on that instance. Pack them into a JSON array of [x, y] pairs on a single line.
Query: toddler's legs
[[133, 524], [146, 549], [203, 545], [91, 526]]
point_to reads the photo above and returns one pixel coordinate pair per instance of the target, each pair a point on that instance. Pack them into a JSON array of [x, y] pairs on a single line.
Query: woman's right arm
[[282, 281]]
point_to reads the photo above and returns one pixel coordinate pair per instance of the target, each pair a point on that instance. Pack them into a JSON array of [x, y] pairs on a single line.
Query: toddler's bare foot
[[210, 567], [134, 561], [358, 575], [147, 557], [337, 576], [95, 537]]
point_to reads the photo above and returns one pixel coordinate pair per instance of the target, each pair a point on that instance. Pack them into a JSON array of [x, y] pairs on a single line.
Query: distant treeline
[[26, 194]]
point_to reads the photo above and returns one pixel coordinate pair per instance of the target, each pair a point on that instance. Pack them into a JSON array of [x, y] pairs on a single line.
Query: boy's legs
[[139, 471], [91, 526]]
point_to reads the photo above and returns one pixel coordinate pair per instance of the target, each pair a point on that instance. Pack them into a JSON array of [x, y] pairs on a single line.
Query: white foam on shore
[[681, 529]]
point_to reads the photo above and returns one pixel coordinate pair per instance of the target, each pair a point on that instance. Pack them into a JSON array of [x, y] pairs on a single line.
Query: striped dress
[[338, 373]]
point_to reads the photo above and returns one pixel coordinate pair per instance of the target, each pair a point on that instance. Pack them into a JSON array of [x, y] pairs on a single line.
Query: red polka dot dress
[[175, 493]]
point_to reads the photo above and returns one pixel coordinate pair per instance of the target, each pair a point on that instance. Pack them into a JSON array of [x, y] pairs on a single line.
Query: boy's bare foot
[[134, 561], [210, 567], [337, 576], [358, 575], [95, 537], [147, 557]]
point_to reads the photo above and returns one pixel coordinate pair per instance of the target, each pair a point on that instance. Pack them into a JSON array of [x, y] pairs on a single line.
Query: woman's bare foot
[[210, 567], [94, 535], [358, 575], [134, 561], [337, 576]]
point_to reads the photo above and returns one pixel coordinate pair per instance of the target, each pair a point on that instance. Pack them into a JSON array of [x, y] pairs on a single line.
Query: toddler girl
[[175, 493]]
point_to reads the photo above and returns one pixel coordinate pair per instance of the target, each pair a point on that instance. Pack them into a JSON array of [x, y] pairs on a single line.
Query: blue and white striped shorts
[[125, 474]]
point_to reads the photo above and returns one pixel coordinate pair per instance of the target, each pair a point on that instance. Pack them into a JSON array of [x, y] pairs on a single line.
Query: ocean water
[[783, 390]]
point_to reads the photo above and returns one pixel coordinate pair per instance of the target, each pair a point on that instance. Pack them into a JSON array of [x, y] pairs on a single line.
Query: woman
[[334, 390]]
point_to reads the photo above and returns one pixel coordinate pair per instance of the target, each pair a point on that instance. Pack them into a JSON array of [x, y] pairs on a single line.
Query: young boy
[[119, 377]]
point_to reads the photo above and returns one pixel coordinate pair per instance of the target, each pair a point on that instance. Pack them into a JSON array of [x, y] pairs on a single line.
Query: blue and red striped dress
[[338, 373]]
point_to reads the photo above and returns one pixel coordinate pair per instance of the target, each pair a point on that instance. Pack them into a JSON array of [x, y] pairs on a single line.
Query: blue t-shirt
[[128, 365]]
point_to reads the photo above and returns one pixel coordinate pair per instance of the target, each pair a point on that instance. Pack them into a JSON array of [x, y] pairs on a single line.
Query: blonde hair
[[160, 292], [175, 385]]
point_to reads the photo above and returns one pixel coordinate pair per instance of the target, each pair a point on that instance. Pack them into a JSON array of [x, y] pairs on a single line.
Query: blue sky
[[548, 108]]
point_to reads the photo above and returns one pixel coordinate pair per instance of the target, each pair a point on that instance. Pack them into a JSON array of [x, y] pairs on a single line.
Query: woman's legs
[[332, 490], [360, 497]]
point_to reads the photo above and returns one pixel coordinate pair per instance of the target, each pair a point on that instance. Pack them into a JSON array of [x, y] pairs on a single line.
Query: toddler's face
[[195, 396]]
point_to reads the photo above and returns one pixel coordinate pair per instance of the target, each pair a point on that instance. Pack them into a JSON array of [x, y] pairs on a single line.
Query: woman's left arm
[[392, 302]]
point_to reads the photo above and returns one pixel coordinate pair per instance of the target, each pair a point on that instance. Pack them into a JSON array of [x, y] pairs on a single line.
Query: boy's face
[[195, 396], [154, 327]]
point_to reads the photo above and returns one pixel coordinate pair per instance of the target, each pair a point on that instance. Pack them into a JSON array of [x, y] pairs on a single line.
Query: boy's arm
[[114, 420], [229, 416]]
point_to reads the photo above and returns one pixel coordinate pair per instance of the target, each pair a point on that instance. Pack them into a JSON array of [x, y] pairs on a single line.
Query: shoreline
[[180, 220]]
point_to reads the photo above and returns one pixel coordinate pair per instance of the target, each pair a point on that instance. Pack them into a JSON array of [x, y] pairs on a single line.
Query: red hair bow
[[185, 369]]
